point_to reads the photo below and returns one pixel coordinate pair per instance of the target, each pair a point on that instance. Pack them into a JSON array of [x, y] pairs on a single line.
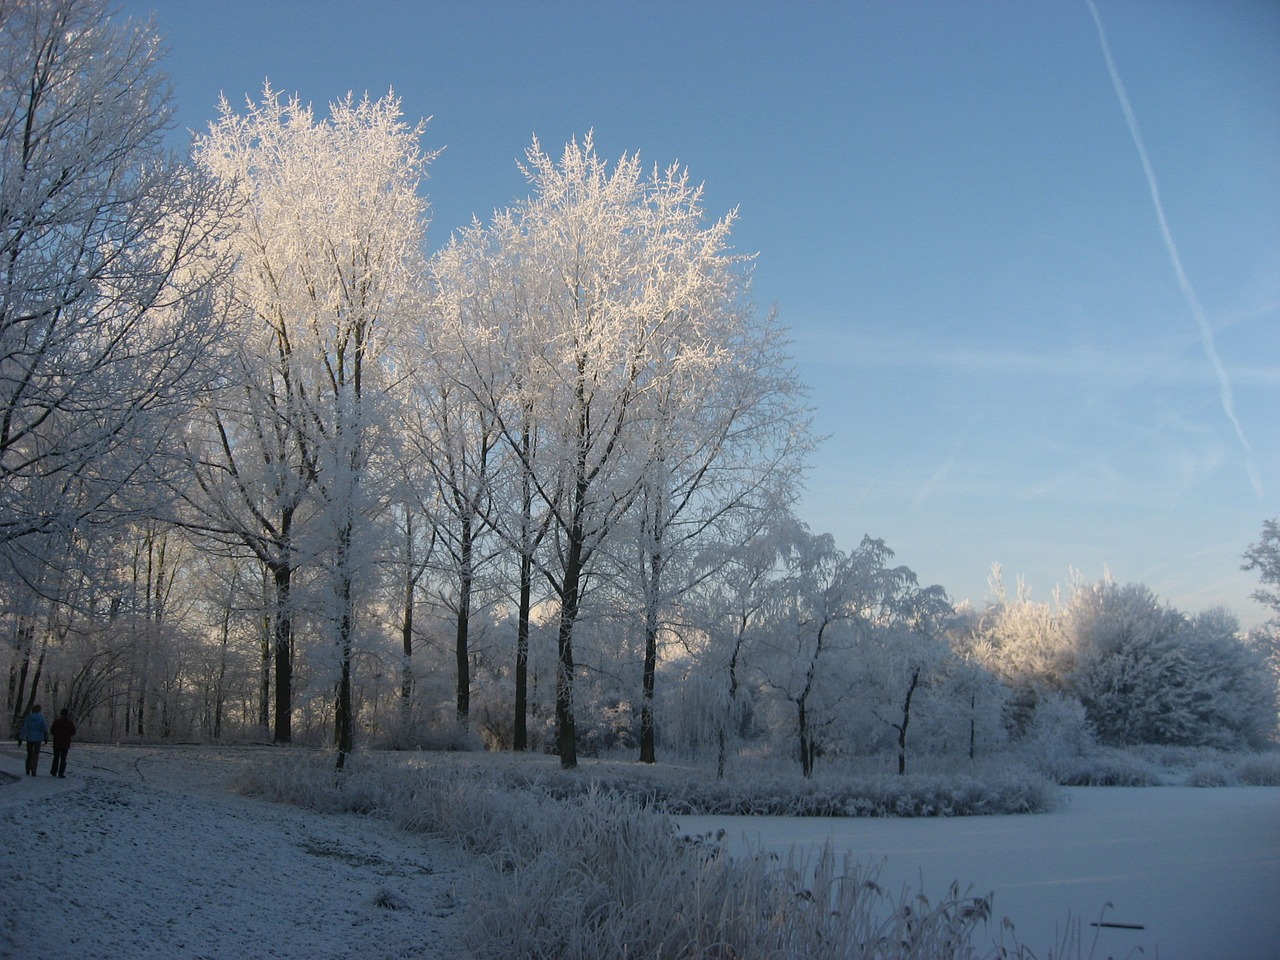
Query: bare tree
[[624, 304], [486, 352], [830, 600], [329, 251], [728, 438], [108, 327]]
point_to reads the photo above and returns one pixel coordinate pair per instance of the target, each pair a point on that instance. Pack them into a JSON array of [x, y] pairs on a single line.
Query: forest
[[272, 467]]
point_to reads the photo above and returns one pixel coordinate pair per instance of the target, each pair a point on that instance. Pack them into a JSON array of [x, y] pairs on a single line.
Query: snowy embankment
[[146, 853]]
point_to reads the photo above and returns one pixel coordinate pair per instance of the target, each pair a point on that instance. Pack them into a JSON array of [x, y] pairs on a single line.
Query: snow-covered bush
[[1058, 735], [1108, 767], [1253, 770], [1259, 770], [1210, 774], [307, 778], [1147, 673]]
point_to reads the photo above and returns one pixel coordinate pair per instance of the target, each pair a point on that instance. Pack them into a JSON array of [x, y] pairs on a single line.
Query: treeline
[[267, 468]]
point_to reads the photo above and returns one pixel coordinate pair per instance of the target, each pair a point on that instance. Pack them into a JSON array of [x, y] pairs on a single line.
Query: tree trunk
[[18, 686], [264, 675], [343, 719], [406, 648], [973, 724], [461, 638], [648, 750], [219, 689], [807, 749], [521, 735], [723, 738], [566, 731], [282, 574], [906, 721]]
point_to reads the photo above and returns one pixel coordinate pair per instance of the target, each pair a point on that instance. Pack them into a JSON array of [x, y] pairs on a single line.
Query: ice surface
[[1198, 869]]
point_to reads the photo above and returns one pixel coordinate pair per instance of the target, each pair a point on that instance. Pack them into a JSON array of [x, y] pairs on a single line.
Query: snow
[[1198, 869], [145, 852]]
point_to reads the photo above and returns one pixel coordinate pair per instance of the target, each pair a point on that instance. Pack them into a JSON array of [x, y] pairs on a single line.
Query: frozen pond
[[1197, 869]]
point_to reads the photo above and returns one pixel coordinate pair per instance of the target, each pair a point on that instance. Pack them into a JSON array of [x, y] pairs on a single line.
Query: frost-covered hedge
[[884, 795], [373, 784]]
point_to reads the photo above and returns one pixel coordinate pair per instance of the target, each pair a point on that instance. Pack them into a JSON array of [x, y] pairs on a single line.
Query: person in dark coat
[[63, 730], [34, 732]]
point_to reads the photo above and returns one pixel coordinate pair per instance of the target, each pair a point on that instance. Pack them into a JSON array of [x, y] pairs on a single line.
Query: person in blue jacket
[[35, 731]]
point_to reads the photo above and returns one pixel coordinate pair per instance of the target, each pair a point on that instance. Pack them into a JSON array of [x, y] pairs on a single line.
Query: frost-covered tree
[[616, 301], [726, 446], [329, 262], [1133, 665], [1264, 557], [1143, 671], [458, 397], [910, 652], [484, 355], [828, 603], [733, 607], [108, 327], [1025, 643]]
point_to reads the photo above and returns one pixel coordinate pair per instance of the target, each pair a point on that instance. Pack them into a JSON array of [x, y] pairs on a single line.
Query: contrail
[[1188, 292]]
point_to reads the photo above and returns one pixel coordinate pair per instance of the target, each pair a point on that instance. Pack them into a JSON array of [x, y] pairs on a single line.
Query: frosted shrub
[[1254, 770], [1014, 789], [308, 779], [1109, 767], [1058, 735], [1210, 774], [1259, 770]]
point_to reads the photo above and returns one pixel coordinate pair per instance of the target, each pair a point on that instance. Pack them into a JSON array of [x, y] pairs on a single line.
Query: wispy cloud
[[862, 350], [1184, 283], [940, 474]]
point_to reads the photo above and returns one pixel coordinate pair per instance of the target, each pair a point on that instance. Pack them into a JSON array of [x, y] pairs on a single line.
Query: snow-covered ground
[[144, 852], [1198, 869]]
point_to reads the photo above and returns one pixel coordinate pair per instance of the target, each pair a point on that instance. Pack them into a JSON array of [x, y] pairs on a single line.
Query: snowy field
[[144, 852]]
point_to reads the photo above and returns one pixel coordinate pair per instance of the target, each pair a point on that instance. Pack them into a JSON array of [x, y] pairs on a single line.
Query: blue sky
[[951, 214]]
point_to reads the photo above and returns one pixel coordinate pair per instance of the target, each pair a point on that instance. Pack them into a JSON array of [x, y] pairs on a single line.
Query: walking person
[[63, 729], [34, 732]]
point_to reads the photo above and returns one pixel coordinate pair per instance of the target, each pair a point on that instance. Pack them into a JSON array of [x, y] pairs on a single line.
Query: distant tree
[[457, 447], [734, 604], [728, 440], [487, 350], [1264, 556], [829, 603], [1146, 673], [913, 653], [1025, 643]]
